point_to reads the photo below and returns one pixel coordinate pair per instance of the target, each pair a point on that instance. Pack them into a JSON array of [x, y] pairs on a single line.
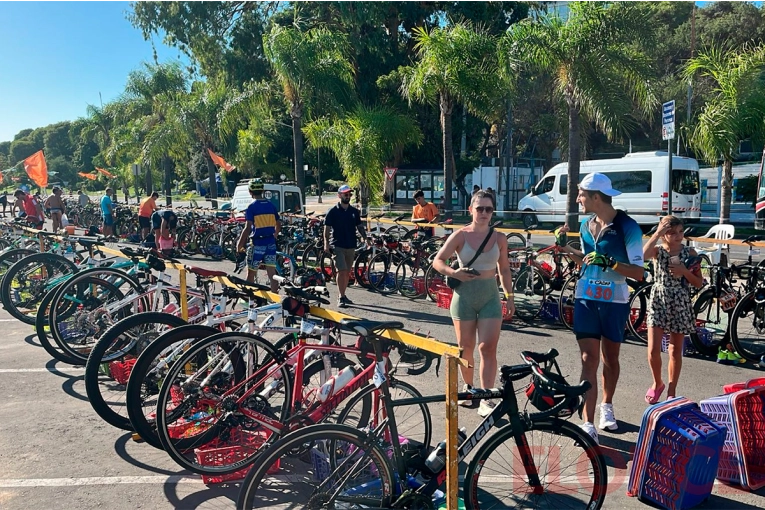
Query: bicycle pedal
[[136, 437]]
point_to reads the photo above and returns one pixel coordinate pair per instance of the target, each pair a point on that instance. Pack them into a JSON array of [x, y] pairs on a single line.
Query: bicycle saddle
[[420, 220], [399, 218], [367, 328], [538, 357], [248, 285], [754, 239], [205, 273]]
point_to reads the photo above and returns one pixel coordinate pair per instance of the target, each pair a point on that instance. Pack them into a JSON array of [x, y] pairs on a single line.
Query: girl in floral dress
[[669, 308]]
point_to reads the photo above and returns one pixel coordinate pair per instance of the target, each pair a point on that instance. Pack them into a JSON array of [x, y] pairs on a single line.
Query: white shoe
[[607, 418], [591, 430], [466, 403], [486, 408]]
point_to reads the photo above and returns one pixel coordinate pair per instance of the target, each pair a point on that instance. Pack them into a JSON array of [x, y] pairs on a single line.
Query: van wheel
[[529, 219]]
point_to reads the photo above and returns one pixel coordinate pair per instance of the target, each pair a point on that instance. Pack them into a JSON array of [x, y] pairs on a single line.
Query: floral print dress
[[669, 306]]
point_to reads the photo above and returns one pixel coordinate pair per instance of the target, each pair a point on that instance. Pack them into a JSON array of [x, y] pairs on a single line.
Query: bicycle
[[368, 467]]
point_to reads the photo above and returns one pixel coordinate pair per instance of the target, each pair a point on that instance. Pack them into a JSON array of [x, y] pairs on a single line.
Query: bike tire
[[380, 273], [485, 469], [566, 302], [103, 394], [638, 304], [434, 281], [10, 257], [376, 476], [717, 325], [747, 320], [530, 293], [43, 331], [407, 275]]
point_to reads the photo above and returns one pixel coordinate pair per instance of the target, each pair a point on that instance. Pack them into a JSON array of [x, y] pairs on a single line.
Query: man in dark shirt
[[343, 221]]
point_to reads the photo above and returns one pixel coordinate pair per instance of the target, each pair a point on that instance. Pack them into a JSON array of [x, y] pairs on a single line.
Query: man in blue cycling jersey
[[262, 227], [612, 251]]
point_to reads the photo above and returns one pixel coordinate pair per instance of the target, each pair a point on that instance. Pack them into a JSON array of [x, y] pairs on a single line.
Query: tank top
[[485, 261]]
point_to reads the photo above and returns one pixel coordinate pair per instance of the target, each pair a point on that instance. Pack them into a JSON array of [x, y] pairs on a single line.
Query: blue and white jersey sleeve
[[633, 241]]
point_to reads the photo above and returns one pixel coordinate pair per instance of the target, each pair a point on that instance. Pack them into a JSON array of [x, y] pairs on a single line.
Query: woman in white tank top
[[476, 310]]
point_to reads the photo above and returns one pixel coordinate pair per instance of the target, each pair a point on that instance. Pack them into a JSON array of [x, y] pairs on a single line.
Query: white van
[[285, 197], [643, 179]]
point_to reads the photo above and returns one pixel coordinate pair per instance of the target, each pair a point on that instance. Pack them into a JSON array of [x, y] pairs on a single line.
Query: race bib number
[[599, 290]]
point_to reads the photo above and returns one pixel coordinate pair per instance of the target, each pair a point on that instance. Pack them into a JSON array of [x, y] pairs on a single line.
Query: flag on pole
[[108, 174], [220, 161], [37, 169], [92, 177]]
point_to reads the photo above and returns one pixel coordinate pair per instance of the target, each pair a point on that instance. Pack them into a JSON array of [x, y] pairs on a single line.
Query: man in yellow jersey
[[262, 227]]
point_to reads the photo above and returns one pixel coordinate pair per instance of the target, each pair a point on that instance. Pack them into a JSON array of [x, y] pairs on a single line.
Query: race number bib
[[599, 290]]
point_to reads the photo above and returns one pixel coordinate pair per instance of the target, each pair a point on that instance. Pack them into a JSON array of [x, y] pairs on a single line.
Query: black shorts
[[144, 222]]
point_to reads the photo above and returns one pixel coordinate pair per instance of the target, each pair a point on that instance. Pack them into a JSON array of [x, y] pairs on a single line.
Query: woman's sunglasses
[[481, 209]]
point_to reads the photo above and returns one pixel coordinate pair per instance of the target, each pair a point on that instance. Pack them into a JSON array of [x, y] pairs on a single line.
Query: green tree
[[454, 65], [313, 71], [599, 68], [22, 149], [363, 142], [735, 112]]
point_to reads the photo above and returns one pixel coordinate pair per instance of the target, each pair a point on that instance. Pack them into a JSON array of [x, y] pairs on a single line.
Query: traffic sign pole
[[668, 133]]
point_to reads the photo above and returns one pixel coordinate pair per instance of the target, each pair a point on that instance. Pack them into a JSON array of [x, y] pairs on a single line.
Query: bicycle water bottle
[[437, 458], [337, 382]]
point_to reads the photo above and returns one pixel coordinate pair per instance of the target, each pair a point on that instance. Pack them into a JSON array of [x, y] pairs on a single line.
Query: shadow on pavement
[[32, 340], [212, 497], [68, 387], [120, 448], [52, 366]]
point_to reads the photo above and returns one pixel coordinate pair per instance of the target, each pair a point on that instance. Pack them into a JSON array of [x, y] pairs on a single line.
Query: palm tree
[[363, 142], [313, 71], [455, 65], [736, 110], [600, 72]]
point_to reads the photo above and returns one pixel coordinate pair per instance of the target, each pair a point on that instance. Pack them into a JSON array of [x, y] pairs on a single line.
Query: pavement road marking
[[99, 480], [23, 370]]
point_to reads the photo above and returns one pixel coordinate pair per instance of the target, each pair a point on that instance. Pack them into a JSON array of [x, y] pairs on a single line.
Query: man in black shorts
[[343, 221], [4, 200]]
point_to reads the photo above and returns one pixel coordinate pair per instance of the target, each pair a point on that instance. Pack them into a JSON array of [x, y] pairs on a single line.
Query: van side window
[[626, 182], [545, 186], [292, 202]]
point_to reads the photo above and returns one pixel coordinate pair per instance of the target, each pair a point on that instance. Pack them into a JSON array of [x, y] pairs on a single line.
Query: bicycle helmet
[[544, 398], [256, 185]]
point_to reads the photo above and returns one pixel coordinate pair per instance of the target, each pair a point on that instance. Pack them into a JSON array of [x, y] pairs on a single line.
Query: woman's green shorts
[[476, 299]]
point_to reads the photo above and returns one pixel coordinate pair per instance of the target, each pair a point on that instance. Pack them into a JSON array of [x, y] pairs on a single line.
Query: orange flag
[[108, 174], [2, 177], [37, 169], [220, 161], [92, 177]]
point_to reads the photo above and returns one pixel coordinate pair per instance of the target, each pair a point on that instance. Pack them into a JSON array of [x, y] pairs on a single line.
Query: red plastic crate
[[418, 283], [445, 298], [751, 383], [120, 370], [240, 445]]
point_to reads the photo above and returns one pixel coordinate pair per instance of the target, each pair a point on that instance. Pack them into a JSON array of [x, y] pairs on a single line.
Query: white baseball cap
[[598, 182]]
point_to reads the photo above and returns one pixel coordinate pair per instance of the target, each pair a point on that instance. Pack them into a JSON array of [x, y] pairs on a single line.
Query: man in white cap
[[612, 251], [343, 221]]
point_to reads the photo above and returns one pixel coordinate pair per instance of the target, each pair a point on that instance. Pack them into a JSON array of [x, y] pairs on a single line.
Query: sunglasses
[[481, 209]]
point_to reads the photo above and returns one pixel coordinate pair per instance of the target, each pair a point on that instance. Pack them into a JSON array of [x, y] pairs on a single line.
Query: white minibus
[[643, 179], [285, 197]]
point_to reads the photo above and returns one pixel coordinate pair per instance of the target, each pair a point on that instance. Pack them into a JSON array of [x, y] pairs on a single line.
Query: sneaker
[[607, 419], [466, 403], [341, 302], [486, 408], [722, 357], [347, 301], [735, 358], [591, 431]]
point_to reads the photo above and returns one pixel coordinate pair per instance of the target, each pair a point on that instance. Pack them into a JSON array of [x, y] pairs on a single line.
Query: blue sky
[[57, 56]]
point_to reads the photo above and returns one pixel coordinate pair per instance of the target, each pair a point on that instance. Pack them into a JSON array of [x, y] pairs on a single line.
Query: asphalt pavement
[[55, 452]]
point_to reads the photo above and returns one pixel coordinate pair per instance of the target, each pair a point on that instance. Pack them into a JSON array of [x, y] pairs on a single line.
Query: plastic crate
[[183, 428], [241, 444], [418, 283], [751, 383], [445, 298], [549, 310], [120, 370], [390, 279], [743, 456], [677, 457]]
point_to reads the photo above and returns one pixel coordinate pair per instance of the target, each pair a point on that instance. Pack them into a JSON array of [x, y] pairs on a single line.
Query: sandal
[[652, 396]]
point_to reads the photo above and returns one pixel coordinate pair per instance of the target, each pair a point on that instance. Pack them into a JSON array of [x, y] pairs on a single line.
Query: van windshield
[[685, 182]]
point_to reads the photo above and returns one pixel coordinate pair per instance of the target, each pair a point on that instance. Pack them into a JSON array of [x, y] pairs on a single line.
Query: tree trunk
[[213, 185], [167, 166], [446, 105], [297, 140], [574, 157], [726, 186], [149, 181]]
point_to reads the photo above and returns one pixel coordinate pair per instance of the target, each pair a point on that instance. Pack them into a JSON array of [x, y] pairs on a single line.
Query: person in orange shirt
[[426, 210], [145, 210]]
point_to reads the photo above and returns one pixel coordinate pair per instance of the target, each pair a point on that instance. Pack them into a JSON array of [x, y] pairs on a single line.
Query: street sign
[[390, 172], [267, 195], [136, 169], [668, 120]]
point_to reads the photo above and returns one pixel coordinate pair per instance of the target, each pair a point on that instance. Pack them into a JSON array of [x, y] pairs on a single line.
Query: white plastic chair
[[722, 232]]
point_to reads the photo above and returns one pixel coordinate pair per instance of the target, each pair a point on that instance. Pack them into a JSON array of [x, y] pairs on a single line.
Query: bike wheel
[[327, 265], [360, 268], [747, 328], [25, 283], [566, 302], [515, 242], [530, 292], [10, 257], [397, 231], [434, 281], [706, 269], [150, 370], [286, 475], [312, 257], [44, 335], [413, 422], [636, 325], [410, 278], [112, 358], [569, 465], [715, 323], [380, 273], [205, 394]]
